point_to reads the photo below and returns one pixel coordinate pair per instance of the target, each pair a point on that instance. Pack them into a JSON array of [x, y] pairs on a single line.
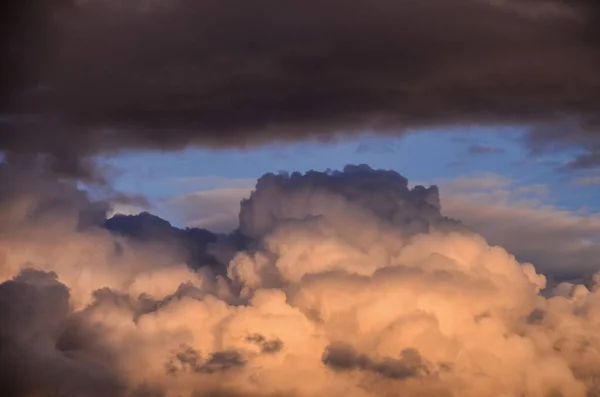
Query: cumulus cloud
[[350, 283], [562, 243], [84, 77]]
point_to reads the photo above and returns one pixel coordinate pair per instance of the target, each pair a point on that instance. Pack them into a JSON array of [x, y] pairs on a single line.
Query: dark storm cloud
[[104, 75]]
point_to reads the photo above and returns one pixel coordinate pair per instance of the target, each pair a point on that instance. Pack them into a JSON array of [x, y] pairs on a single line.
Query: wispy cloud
[[457, 163], [216, 210], [210, 182], [379, 148], [478, 150], [587, 181]]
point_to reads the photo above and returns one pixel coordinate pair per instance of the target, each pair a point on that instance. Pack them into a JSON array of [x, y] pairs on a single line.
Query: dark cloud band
[[102, 75]]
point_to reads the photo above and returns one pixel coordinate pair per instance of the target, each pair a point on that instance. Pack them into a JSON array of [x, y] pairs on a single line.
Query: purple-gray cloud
[[96, 76], [484, 150]]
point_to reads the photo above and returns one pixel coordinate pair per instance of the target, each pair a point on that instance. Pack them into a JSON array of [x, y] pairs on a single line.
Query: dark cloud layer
[[104, 75]]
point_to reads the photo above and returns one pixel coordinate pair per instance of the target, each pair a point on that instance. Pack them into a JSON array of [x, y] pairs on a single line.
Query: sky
[[427, 157], [413, 189]]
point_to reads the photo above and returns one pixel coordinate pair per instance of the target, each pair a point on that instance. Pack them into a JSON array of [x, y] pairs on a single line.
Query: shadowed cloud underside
[[103, 76]]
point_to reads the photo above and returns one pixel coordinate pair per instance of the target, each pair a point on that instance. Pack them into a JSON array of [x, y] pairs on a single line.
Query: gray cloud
[[267, 346], [587, 160], [344, 358], [357, 187], [583, 138], [484, 150], [102, 76], [380, 148], [188, 359], [33, 307]]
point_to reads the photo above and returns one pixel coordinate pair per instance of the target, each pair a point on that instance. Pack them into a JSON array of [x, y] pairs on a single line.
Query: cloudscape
[[351, 198], [346, 283]]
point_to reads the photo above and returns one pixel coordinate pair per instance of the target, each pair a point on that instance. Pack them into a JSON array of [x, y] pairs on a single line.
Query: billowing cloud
[[562, 243], [350, 284], [97, 76], [195, 246]]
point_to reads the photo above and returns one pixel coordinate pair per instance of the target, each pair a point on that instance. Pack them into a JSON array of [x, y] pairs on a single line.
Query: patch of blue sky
[[420, 156]]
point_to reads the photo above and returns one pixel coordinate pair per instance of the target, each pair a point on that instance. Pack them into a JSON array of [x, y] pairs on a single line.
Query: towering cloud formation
[[101, 75], [358, 190], [351, 284]]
